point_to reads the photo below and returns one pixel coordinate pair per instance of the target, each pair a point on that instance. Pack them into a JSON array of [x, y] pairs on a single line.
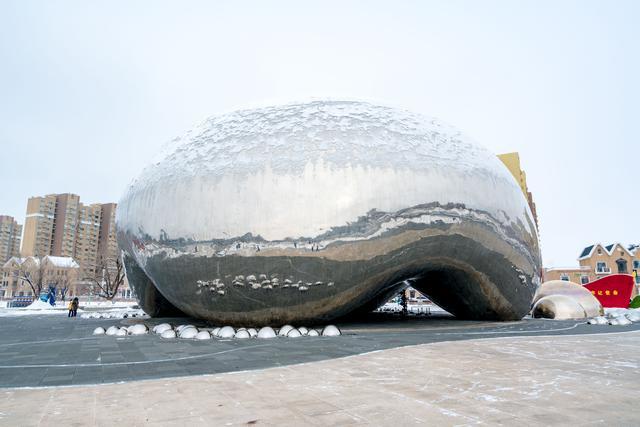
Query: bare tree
[[108, 277], [33, 277], [62, 286]]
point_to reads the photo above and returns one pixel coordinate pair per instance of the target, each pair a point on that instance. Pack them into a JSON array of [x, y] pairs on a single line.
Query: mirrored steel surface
[[307, 212]]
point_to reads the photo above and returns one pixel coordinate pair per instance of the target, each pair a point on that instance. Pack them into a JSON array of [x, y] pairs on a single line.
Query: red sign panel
[[613, 290]]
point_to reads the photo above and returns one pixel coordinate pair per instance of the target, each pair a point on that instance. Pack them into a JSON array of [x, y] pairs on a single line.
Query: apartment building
[[512, 162], [10, 235], [38, 226], [597, 261], [61, 225]]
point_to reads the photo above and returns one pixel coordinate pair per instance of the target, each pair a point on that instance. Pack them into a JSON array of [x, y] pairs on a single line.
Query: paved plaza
[[39, 351], [582, 379]]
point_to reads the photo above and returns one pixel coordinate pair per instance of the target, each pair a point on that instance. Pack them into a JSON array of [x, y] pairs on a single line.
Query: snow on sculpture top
[[334, 160], [243, 139]]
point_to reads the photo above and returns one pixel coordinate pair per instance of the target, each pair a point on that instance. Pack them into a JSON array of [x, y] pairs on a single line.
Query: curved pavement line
[[535, 331], [46, 341], [139, 362]]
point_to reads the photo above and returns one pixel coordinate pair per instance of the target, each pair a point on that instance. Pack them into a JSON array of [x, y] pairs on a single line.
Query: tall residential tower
[[60, 225], [10, 232]]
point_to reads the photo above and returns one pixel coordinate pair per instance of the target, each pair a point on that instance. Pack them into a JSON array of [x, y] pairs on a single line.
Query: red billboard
[[613, 290]]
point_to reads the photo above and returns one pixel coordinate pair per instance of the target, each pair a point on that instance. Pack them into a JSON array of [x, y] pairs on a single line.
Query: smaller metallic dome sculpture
[[560, 299]]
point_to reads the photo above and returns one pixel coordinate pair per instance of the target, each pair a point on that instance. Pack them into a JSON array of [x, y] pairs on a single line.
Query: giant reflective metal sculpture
[[308, 212]]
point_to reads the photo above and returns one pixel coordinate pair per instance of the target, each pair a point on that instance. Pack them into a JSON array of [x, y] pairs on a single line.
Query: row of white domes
[[167, 331]]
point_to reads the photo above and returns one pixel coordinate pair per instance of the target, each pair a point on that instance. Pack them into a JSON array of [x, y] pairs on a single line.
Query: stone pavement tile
[[312, 407]]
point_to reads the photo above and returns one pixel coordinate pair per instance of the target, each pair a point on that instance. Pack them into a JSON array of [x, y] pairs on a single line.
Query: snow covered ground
[[97, 309]]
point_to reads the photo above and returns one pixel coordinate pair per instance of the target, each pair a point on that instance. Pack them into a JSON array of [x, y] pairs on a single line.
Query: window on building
[[636, 264], [599, 251], [584, 280], [564, 277], [601, 267], [622, 266]]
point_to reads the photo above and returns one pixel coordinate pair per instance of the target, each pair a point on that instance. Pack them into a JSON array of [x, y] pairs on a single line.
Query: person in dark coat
[[74, 307]]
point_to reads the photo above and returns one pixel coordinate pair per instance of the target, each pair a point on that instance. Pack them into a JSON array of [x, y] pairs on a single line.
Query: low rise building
[[598, 260], [26, 276]]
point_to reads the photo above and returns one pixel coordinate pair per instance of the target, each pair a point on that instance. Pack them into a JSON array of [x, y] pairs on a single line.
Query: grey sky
[[89, 90]]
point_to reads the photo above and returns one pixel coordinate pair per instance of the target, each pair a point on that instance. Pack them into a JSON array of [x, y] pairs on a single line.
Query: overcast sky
[[89, 90]]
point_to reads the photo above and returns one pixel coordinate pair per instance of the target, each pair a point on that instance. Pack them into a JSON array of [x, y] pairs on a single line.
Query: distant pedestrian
[[70, 308], [74, 307]]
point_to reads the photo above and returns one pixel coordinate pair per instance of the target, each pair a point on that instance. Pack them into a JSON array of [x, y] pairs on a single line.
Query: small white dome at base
[[331, 331], [188, 333], [169, 333], [294, 333], [159, 329], [98, 331], [139, 329], [284, 330], [243, 334], [226, 332], [266, 332], [203, 335], [112, 330]]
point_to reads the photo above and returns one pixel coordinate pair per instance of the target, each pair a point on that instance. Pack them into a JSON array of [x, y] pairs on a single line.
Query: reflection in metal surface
[[308, 212]]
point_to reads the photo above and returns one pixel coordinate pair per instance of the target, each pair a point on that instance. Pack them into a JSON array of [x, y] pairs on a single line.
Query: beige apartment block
[[60, 225], [38, 226], [597, 261], [61, 272], [107, 245], [65, 225], [88, 237], [10, 235]]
